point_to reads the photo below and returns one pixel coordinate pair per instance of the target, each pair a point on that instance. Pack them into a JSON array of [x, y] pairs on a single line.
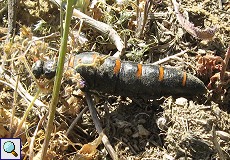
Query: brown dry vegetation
[[165, 128]]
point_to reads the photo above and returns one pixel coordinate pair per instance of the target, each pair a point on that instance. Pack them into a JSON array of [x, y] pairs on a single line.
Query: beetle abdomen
[[132, 79]]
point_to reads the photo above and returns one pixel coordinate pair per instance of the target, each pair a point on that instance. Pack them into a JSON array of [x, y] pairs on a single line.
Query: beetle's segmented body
[[109, 75]]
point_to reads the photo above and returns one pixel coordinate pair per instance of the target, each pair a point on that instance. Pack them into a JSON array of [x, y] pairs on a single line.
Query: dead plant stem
[[76, 120], [14, 106], [98, 126], [225, 63], [26, 114]]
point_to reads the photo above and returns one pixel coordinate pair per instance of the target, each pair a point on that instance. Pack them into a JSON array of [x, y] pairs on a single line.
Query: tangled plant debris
[[189, 27]]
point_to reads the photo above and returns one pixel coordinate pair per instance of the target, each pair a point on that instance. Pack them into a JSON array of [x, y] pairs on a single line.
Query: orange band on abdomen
[[117, 66], [161, 73], [139, 70], [184, 79]]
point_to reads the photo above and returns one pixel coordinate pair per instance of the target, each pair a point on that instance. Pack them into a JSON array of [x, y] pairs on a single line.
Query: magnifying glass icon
[[9, 147]]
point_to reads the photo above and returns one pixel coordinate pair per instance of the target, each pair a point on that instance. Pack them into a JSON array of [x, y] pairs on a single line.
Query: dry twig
[[76, 120], [101, 27], [216, 144], [141, 21], [12, 10], [169, 58], [22, 91], [98, 126], [32, 141], [14, 107], [225, 64]]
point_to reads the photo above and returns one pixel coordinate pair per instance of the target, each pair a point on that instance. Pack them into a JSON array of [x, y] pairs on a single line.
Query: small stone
[[181, 101]]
